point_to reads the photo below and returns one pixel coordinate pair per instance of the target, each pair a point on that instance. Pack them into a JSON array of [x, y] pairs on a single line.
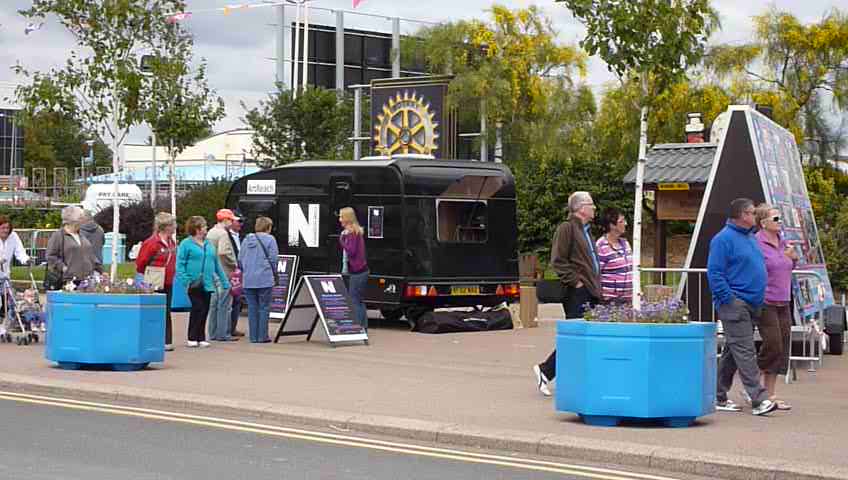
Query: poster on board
[[785, 188], [375, 222], [324, 299], [281, 293]]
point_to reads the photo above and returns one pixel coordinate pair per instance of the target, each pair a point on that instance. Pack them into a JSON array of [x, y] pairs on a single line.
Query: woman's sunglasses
[[776, 218]]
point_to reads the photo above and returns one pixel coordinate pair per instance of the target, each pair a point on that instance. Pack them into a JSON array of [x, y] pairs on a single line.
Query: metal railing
[[35, 241], [676, 283]]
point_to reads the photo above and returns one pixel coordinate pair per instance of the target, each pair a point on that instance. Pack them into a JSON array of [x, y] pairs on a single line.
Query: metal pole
[[340, 53], [305, 70], [281, 45], [12, 160], [396, 47], [357, 123], [153, 176], [484, 148], [296, 56]]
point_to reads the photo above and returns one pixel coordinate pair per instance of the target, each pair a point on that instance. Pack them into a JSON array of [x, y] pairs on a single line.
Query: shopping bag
[[179, 297]]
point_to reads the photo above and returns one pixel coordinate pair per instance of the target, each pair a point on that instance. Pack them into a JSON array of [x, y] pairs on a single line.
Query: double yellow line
[[334, 439]]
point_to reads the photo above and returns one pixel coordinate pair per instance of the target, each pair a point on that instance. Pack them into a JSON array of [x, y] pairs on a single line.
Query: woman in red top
[[160, 250]]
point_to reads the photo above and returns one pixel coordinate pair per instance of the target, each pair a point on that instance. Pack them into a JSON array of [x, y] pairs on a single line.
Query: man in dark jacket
[[94, 234], [575, 261]]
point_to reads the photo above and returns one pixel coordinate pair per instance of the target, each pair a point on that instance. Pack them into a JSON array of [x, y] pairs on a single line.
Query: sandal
[[781, 405]]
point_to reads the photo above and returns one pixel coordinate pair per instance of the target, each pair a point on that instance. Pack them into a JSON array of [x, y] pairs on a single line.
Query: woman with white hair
[[70, 254], [157, 261]]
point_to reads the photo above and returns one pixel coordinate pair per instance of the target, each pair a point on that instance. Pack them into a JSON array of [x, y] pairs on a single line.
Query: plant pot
[[117, 331], [612, 372]]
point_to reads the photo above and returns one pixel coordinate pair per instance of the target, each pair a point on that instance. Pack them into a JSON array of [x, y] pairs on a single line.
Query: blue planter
[[609, 372], [121, 331]]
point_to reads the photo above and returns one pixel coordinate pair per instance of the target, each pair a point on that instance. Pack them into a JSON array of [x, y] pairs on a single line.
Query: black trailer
[[438, 233]]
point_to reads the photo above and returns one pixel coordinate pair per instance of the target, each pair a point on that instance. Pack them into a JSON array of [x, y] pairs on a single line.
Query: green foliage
[[828, 190], [202, 201], [507, 60], [102, 80], [794, 68], [33, 217], [660, 39], [314, 126], [136, 224], [125, 270], [56, 140]]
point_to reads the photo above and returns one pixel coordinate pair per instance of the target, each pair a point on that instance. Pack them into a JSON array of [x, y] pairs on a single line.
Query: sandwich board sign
[[281, 293], [324, 299], [759, 159]]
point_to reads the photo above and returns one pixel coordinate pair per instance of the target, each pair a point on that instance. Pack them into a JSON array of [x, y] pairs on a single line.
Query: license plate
[[465, 290]]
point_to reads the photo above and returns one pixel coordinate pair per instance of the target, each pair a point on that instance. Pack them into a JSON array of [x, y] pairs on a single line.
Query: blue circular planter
[[117, 331], [613, 372]]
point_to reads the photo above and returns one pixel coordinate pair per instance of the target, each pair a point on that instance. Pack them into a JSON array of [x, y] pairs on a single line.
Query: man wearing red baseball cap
[[220, 306]]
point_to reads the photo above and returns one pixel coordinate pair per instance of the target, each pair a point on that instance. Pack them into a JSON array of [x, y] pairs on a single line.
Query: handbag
[[179, 297], [268, 257], [155, 276], [53, 276], [235, 283]]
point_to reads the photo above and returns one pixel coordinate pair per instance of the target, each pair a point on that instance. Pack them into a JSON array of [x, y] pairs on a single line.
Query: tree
[[55, 140], [102, 82], [652, 42], [513, 62], [792, 65], [315, 125]]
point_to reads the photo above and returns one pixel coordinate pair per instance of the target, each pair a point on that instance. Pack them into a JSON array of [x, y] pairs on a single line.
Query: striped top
[[616, 269]]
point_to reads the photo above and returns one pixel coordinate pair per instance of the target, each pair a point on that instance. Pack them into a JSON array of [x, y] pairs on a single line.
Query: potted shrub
[[619, 364], [99, 324]]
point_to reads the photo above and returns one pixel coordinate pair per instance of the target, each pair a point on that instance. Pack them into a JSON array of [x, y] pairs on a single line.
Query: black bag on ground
[[452, 322]]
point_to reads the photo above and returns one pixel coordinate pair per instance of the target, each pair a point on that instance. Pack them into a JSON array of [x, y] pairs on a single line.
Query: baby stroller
[[24, 316]]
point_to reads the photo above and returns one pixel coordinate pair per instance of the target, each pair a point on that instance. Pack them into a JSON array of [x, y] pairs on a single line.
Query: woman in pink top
[[776, 320], [615, 258]]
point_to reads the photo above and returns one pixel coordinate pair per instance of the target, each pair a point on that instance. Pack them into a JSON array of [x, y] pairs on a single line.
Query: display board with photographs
[[779, 164]]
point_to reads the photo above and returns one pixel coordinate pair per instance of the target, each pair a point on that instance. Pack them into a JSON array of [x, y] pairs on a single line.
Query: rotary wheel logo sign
[[406, 126]]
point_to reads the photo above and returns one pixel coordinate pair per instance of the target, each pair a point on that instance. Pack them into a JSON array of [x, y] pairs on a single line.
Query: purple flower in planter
[[667, 311]]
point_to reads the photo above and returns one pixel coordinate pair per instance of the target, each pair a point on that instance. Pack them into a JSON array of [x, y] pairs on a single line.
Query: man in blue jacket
[[736, 271]]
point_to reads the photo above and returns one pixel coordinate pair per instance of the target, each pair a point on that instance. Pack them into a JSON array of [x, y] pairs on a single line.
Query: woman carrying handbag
[[258, 258], [156, 264]]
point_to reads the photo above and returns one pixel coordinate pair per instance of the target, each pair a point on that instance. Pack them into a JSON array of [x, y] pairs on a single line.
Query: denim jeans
[[219, 313], [258, 309], [358, 282]]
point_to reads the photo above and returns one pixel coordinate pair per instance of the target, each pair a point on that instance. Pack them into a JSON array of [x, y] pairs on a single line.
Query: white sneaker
[[765, 407], [204, 344], [169, 347], [191, 344], [541, 381], [728, 406]]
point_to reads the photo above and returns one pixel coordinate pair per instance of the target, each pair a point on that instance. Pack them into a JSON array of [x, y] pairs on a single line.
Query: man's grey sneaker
[[728, 406], [766, 406], [541, 381]]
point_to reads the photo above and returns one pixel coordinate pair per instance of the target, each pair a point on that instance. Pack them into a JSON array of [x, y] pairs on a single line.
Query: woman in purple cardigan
[[354, 262], [776, 320]]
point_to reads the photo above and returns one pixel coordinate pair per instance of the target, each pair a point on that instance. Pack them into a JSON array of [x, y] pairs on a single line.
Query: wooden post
[[528, 304]]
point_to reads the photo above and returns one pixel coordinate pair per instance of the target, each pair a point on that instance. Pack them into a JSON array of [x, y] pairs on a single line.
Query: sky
[[240, 47]]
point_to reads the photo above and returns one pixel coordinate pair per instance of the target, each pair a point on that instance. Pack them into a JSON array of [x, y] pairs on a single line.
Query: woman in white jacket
[[10, 246]]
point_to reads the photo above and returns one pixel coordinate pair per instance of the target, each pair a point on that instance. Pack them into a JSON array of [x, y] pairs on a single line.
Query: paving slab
[[473, 389]]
